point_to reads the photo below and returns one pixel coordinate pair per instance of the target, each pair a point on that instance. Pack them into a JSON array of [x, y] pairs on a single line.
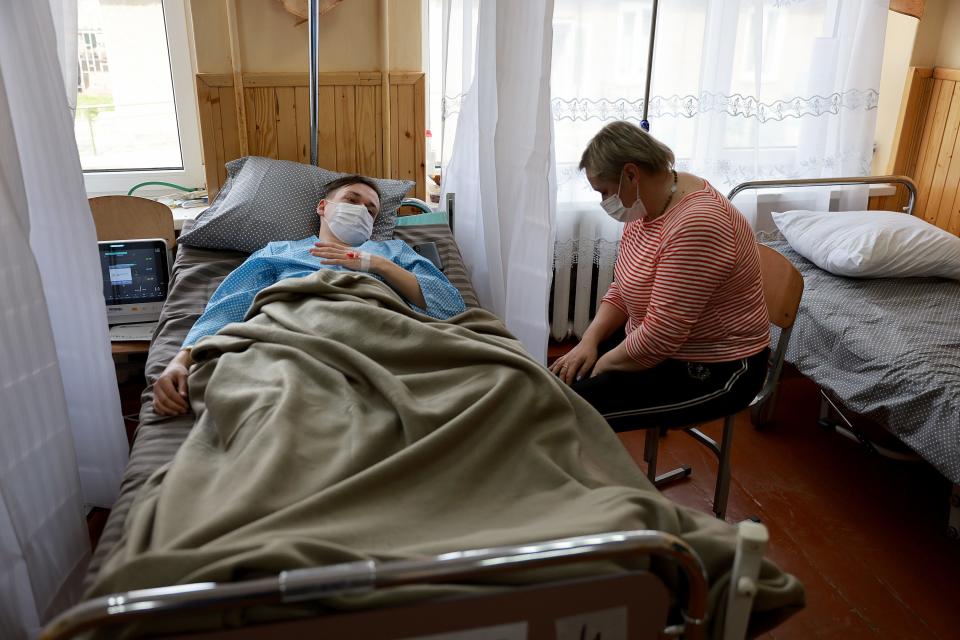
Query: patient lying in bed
[[339, 424], [342, 243]]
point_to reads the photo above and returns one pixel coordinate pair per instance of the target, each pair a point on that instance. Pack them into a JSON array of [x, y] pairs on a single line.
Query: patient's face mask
[[352, 223], [615, 209]]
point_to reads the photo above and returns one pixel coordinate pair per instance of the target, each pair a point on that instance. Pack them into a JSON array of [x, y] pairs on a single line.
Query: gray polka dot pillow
[[266, 200]]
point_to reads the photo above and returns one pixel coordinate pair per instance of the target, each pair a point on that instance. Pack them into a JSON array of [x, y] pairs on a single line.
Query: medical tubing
[[162, 184]]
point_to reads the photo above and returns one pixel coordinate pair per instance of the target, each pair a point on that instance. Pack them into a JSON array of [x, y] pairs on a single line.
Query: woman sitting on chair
[[682, 334]]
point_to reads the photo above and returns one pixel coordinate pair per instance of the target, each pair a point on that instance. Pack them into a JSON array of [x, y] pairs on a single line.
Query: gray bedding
[[197, 274], [889, 349]]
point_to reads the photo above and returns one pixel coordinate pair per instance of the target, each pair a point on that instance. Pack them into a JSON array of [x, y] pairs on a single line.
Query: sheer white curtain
[[498, 156], [62, 442], [741, 90]]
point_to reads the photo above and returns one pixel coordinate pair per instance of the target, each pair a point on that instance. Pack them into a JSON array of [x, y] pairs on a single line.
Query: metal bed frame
[[830, 406], [756, 185], [312, 584], [762, 409]]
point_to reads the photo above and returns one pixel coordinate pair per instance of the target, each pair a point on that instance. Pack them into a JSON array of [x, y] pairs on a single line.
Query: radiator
[[583, 259]]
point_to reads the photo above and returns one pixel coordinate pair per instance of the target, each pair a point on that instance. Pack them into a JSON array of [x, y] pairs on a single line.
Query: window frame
[[182, 72]]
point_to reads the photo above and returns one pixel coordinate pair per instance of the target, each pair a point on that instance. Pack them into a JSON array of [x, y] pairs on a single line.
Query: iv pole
[[313, 27], [645, 123]]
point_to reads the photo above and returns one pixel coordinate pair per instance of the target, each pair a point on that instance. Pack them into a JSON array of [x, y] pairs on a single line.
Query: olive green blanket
[[336, 424]]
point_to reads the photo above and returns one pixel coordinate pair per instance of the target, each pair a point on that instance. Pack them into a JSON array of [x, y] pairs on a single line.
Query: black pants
[[674, 393]]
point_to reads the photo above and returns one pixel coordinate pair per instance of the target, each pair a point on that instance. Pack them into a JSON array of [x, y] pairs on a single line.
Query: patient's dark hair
[[346, 181]]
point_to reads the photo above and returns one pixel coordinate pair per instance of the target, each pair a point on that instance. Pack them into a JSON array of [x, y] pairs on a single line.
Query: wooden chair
[[782, 290], [132, 218]]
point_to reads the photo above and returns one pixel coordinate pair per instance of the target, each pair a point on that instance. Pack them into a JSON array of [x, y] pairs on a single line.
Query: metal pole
[[385, 86], [645, 123], [313, 27]]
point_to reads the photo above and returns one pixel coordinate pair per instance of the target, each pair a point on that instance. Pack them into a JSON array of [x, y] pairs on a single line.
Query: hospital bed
[[651, 603], [884, 349]]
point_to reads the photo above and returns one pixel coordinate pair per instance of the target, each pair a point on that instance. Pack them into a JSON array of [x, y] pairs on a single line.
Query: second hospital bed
[[884, 348]]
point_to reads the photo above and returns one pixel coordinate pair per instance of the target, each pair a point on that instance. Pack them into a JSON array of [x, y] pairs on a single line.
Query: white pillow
[[871, 244]]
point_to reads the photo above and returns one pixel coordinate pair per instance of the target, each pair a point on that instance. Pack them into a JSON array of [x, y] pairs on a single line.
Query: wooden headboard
[[350, 131], [928, 147]]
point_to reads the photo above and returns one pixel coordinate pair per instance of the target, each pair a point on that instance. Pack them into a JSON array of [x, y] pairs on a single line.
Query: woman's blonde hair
[[619, 143]]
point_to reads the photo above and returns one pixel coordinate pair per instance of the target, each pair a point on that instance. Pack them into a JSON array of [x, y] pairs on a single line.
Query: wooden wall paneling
[[943, 73], [218, 134], [326, 127], [910, 119], [286, 124], [351, 128], [949, 218], [368, 126], [419, 137], [346, 129], [916, 93], [926, 99], [383, 142], [228, 120], [944, 156], [208, 142], [925, 116], [262, 119], [394, 134], [923, 175], [250, 129], [406, 132], [302, 108]]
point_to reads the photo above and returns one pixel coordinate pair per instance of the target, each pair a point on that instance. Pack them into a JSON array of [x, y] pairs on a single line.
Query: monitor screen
[[134, 271]]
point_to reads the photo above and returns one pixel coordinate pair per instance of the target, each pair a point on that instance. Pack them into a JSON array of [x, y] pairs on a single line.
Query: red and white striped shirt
[[689, 281]]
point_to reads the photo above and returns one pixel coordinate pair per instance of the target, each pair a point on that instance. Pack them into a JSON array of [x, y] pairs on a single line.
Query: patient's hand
[[170, 394]]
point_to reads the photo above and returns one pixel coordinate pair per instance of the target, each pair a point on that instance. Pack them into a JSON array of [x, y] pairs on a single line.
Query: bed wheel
[[953, 533]]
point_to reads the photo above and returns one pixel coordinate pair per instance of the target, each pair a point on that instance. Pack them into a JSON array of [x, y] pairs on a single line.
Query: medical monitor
[[135, 279]]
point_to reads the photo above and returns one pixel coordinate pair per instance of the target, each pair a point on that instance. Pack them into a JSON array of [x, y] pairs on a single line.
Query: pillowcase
[[265, 200], [871, 244]]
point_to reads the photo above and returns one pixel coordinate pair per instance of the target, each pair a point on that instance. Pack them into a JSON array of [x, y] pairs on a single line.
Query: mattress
[[887, 348], [196, 275]]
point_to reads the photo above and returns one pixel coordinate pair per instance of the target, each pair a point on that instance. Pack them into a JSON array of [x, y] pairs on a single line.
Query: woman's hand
[[604, 364], [170, 394], [577, 363], [341, 256], [616, 359]]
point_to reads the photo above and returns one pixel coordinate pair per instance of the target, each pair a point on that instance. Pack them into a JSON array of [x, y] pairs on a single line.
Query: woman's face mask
[[352, 223], [614, 206]]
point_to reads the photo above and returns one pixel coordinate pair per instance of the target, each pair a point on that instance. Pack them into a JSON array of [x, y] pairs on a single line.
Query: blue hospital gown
[[280, 260]]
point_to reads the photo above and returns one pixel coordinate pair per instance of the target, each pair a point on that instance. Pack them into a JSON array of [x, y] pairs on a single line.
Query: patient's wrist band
[[365, 261]]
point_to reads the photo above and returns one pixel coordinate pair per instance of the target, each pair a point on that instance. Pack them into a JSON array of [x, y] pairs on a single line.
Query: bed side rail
[[831, 182], [320, 582]]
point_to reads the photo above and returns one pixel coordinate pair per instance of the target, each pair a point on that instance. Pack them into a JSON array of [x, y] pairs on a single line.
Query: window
[[136, 116]]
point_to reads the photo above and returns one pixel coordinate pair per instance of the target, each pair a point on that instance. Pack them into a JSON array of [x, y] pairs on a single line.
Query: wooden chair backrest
[[130, 217], [782, 286]]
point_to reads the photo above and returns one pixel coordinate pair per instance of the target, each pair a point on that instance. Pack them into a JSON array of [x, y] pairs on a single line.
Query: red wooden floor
[[865, 535]]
